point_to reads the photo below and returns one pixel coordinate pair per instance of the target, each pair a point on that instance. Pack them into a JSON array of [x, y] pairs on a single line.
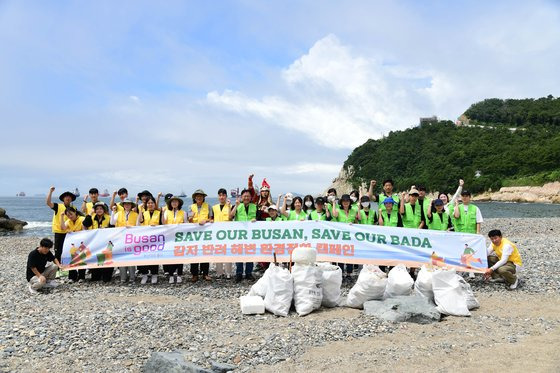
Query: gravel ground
[[99, 327]]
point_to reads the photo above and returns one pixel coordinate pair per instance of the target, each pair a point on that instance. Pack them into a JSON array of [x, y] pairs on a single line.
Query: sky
[[181, 95]]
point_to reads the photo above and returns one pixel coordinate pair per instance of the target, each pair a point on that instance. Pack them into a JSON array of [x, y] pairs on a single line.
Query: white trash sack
[[423, 284], [251, 304], [331, 282], [449, 295], [304, 255], [370, 285], [308, 294], [259, 287], [472, 303], [280, 291], [399, 282]]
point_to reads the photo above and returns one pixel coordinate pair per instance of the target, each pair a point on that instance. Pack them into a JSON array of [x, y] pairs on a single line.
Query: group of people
[[411, 209]]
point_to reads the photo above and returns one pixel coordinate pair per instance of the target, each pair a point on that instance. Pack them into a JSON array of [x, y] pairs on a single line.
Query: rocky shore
[[9, 224], [111, 327], [548, 193]]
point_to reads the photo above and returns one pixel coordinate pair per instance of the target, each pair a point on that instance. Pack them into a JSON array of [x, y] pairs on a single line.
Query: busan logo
[[139, 244]]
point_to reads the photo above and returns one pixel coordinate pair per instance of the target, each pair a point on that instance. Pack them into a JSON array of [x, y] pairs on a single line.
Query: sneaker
[[514, 285], [171, 279], [154, 279], [497, 280], [179, 280], [228, 277], [31, 290], [51, 284], [81, 281], [144, 279], [194, 279], [70, 281], [249, 277], [471, 274]]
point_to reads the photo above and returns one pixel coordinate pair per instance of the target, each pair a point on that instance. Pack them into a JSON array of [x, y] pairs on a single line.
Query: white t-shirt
[[506, 252]]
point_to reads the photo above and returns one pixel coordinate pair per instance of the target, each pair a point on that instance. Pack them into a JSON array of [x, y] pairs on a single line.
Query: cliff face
[[340, 183], [548, 193]]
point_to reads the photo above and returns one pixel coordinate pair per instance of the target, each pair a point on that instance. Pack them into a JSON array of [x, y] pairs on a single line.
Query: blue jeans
[[248, 269]]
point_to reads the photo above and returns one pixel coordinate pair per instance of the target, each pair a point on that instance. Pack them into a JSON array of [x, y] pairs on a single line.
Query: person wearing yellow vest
[[59, 234], [87, 207], [200, 213], [100, 220], [174, 214], [411, 211], [245, 211], [467, 216], [344, 213], [150, 217], [143, 197], [123, 194], [296, 210], [72, 222], [504, 260], [440, 219], [125, 217], [389, 216], [221, 211]]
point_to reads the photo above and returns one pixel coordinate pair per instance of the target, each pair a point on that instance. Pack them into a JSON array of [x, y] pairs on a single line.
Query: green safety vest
[[439, 223], [425, 205], [466, 222], [370, 219], [294, 216], [278, 218], [412, 219], [241, 214], [382, 198], [392, 221], [343, 218], [316, 216]]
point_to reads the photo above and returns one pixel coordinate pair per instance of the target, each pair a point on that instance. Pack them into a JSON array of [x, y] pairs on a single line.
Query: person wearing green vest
[[411, 212], [245, 211], [423, 201], [388, 186], [320, 213], [389, 217], [467, 216], [355, 197], [345, 214], [440, 220], [296, 210], [273, 214], [366, 215], [331, 197]]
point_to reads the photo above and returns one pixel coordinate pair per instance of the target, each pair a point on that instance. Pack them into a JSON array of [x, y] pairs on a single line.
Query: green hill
[[510, 142]]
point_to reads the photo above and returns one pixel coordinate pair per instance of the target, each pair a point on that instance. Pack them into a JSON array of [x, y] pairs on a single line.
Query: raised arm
[[401, 204], [458, 191], [49, 197], [112, 203], [283, 208], [233, 211], [84, 204], [370, 193]]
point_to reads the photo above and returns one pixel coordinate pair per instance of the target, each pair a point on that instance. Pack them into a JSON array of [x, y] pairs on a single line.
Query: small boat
[[234, 193], [104, 194], [76, 192], [20, 194], [182, 194]]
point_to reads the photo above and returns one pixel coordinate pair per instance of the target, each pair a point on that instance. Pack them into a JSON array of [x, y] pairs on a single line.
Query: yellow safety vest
[[74, 226], [122, 221], [172, 218], [203, 214], [89, 208], [220, 214], [104, 223], [515, 257], [56, 228], [151, 220]]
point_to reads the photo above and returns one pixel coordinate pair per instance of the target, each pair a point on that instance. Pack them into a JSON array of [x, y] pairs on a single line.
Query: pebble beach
[[95, 327]]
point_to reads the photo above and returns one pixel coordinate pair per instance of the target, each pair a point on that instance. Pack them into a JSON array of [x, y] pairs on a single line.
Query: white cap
[[272, 207]]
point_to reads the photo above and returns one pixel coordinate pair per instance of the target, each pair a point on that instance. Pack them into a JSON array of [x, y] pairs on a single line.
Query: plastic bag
[[280, 291], [331, 280], [259, 287], [472, 303], [308, 294], [399, 282], [304, 255], [449, 294], [423, 285], [370, 285], [251, 304]]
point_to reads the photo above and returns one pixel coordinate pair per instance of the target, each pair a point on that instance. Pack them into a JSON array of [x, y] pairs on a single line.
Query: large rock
[[403, 308], [171, 362], [11, 224], [2, 213]]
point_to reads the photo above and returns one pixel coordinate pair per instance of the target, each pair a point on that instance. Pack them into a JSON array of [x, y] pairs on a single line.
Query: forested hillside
[[438, 154]]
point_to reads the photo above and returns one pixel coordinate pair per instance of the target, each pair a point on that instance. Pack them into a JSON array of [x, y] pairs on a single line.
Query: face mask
[[354, 199], [308, 203], [331, 198], [289, 201], [365, 204]]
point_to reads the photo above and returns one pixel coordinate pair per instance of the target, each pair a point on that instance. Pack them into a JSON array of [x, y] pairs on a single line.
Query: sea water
[[38, 215]]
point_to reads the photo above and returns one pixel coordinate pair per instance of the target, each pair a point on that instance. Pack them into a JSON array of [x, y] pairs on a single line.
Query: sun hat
[[388, 200], [128, 201], [199, 191], [65, 194], [102, 204], [413, 191], [174, 198], [144, 193]]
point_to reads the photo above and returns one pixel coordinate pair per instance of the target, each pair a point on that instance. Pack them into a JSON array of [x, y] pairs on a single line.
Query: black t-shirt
[[39, 261]]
